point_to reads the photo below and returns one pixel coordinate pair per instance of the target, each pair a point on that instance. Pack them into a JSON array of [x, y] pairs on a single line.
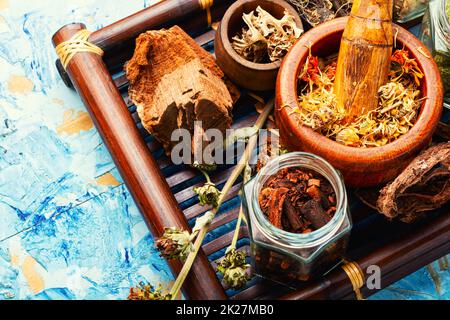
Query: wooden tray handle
[[136, 165], [162, 14], [117, 39]]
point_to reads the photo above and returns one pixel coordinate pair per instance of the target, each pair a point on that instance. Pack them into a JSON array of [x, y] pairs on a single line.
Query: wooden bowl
[[247, 74], [361, 167]]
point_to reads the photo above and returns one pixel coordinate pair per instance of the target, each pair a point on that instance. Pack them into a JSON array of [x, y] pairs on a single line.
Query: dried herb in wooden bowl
[[399, 103], [265, 38]]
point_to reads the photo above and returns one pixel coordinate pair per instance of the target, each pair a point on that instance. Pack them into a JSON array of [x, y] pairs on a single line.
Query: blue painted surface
[[68, 227]]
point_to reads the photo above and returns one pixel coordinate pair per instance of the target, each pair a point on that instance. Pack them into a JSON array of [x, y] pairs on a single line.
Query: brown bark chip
[[174, 82], [423, 186]]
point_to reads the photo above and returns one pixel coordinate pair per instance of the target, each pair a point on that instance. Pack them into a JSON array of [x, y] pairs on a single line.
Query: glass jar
[[435, 34], [291, 258]]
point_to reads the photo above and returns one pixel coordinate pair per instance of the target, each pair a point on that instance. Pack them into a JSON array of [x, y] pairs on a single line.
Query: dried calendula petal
[[348, 137], [399, 104]]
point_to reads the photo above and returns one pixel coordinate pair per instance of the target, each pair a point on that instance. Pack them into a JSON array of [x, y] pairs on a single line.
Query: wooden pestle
[[364, 57]]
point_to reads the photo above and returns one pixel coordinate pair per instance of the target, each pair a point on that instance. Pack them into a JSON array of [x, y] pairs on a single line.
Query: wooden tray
[[163, 191]]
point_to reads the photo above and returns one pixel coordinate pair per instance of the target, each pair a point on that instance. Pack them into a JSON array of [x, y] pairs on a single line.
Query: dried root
[[423, 186], [265, 37]]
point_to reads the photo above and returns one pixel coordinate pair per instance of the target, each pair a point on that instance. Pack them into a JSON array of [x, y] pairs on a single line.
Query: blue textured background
[[68, 227]]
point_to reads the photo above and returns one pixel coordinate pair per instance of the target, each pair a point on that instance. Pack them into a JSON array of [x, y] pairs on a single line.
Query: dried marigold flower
[[399, 104], [234, 269], [147, 292], [174, 244], [311, 70], [404, 65]]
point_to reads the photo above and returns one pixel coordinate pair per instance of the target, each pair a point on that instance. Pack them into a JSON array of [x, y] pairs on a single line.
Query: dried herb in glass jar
[[298, 218], [298, 200]]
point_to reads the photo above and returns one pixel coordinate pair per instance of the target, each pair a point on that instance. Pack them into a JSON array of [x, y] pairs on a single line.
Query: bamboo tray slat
[[164, 192]]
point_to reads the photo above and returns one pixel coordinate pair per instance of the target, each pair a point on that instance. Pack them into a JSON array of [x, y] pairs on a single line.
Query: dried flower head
[[174, 244], [208, 194], [399, 103], [311, 71], [348, 136], [234, 269], [403, 66], [147, 292], [265, 36]]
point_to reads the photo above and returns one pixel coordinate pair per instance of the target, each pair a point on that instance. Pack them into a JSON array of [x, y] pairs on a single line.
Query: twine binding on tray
[[356, 276], [206, 5], [77, 43]]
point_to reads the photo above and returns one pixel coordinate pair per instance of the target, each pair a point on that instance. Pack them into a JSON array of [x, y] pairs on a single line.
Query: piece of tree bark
[[174, 82], [276, 206], [313, 211], [293, 216], [423, 186]]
